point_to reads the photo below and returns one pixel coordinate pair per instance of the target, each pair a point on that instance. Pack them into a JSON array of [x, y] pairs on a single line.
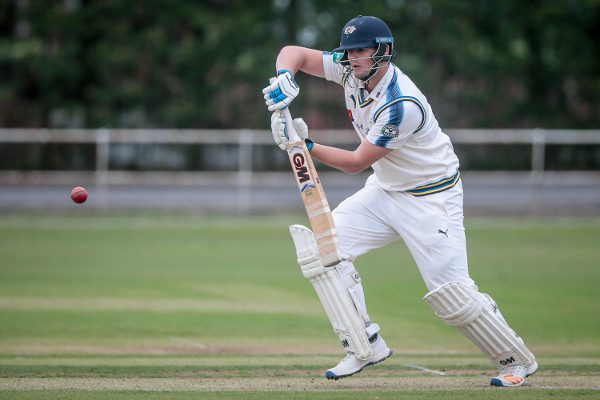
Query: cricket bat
[[313, 195]]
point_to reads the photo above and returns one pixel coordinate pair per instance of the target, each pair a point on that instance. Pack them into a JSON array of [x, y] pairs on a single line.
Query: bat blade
[[313, 196]]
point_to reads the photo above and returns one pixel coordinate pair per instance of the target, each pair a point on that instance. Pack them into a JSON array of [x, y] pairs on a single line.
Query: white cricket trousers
[[431, 227]]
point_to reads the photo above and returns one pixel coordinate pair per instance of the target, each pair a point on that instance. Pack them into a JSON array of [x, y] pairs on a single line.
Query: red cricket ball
[[79, 195]]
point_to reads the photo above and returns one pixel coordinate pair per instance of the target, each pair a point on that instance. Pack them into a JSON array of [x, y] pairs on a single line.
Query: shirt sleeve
[[395, 122], [333, 70]]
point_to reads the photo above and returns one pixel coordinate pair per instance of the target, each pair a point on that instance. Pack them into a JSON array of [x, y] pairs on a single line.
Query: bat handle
[[289, 124]]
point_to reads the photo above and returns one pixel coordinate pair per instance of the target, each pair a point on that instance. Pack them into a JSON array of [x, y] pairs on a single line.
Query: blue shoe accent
[[496, 382], [331, 375]]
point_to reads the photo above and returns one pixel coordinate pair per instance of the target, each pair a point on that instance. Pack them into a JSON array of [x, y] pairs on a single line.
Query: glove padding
[[279, 130], [280, 93]]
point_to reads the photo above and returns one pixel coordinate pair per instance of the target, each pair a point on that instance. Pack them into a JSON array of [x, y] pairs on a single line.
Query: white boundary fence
[[246, 139], [244, 181]]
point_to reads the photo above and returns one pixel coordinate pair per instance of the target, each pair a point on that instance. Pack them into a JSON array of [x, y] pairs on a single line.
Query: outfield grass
[[127, 307]]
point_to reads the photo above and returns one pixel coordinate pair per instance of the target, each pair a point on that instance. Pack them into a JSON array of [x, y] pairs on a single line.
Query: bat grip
[[289, 125]]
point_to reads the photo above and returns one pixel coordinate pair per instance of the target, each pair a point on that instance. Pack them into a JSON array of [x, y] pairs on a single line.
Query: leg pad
[[334, 297], [477, 316]]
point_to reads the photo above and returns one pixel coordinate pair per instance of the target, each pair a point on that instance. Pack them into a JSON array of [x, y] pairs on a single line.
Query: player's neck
[[370, 85]]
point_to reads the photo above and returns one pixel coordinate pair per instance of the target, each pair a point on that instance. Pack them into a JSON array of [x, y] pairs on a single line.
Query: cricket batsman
[[414, 194]]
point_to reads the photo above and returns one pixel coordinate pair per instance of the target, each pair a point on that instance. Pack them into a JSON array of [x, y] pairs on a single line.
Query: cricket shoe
[[351, 364], [514, 376]]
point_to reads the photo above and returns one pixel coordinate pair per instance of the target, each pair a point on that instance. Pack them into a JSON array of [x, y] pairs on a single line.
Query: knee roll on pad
[[334, 297], [477, 316]]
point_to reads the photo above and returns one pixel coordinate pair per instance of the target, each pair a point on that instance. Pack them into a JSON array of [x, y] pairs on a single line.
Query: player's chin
[[360, 73]]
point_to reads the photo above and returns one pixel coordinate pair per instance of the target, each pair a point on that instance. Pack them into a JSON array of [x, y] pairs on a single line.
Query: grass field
[[157, 307]]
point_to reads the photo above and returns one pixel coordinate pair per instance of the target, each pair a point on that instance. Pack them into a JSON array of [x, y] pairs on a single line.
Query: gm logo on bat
[[302, 173]]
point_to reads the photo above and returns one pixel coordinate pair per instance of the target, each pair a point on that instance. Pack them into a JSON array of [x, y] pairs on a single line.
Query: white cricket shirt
[[397, 116]]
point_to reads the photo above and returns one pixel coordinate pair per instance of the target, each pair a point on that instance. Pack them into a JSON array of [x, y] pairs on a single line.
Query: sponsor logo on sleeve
[[390, 130]]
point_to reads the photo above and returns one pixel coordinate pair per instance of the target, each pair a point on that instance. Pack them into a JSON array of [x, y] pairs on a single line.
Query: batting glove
[[279, 94], [278, 128]]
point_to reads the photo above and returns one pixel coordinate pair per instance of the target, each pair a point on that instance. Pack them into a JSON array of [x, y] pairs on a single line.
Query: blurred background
[[178, 273], [157, 104]]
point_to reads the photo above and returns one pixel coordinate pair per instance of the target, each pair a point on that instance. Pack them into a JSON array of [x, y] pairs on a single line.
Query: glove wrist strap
[[309, 144], [283, 71]]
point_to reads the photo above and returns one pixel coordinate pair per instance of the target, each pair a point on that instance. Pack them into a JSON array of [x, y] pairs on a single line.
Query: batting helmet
[[364, 32]]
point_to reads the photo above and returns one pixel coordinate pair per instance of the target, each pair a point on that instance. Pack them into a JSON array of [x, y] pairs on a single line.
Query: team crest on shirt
[[390, 130]]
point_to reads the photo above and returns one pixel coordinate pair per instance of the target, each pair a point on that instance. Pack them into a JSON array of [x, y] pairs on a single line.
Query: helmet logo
[[349, 29]]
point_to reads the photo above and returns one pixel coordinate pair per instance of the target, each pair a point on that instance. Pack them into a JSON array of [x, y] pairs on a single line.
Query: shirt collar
[[381, 87]]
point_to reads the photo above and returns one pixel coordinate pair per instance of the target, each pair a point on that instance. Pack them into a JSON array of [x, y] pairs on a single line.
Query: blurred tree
[[189, 63]]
